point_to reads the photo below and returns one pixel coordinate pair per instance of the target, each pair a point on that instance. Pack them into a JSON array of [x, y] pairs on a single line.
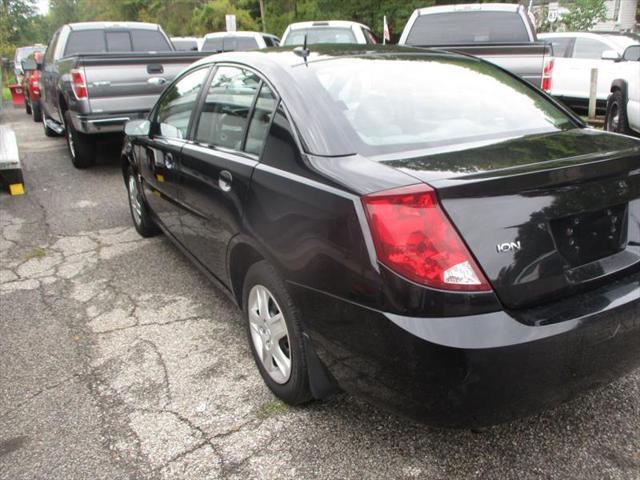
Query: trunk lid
[[545, 215]]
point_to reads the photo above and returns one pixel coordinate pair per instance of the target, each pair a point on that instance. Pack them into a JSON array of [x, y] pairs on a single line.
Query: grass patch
[[274, 407], [35, 253], [6, 93]]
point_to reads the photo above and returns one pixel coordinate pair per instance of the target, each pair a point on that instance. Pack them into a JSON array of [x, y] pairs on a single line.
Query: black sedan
[[418, 228]]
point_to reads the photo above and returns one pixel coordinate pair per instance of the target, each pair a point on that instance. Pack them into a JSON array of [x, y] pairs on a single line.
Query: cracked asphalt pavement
[[118, 359]]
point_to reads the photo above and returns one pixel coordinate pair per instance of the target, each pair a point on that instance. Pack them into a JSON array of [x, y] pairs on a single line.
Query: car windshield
[[317, 35], [402, 105], [24, 52], [458, 28]]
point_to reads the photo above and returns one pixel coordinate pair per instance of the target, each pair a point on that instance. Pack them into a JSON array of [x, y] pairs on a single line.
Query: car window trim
[[155, 130], [263, 81]]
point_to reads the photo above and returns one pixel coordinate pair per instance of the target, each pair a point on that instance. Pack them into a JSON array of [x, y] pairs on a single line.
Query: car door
[[49, 76], [159, 153], [217, 166]]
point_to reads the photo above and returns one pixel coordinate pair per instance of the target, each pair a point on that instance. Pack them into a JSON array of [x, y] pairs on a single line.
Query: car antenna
[[303, 51]]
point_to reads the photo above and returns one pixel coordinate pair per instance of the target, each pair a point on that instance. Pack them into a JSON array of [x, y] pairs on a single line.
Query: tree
[[16, 26], [210, 17], [584, 14]]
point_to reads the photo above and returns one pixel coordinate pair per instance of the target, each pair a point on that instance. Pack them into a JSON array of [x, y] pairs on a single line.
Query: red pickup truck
[[31, 87]]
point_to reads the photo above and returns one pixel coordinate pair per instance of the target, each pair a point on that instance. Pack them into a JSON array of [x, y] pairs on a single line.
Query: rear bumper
[[96, 123], [476, 370]]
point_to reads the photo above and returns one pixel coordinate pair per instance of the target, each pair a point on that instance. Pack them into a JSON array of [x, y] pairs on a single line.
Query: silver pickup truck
[[499, 33], [98, 75]]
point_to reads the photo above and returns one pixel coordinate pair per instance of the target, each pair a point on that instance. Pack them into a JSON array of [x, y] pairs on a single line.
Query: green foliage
[[584, 14], [16, 24], [210, 17]]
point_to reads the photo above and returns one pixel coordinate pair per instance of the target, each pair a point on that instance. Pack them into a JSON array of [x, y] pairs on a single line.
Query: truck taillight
[[414, 238], [547, 74], [34, 82], [78, 84]]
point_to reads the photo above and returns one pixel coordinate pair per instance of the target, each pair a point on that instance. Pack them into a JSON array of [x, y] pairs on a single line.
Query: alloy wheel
[[269, 334], [134, 200]]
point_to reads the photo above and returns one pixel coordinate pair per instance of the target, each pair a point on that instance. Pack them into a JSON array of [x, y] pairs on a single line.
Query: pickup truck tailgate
[[121, 83]]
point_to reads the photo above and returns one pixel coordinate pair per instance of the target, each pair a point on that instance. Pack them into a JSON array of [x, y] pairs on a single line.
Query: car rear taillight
[[547, 74], [34, 82], [414, 238], [78, 84]]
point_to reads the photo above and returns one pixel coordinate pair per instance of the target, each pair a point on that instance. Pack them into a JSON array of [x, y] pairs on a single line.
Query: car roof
[[236, 34], [326, 23], [105, 25], [471, 7]]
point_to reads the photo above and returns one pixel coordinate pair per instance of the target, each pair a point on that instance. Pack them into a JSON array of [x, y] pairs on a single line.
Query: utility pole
[[262, 16]]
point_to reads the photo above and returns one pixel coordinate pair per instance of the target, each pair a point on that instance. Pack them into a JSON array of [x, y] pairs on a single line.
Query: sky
[[43, 6]]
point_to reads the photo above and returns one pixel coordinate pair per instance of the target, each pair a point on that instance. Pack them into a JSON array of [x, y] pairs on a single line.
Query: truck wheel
[[37, 114], [82, 148], [142, 220], [47, 131], [275, 335], [27, 107], [616, 119]]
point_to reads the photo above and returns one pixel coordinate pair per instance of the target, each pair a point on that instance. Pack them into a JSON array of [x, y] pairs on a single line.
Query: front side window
[[589, 48], [318, 35], [401, 105], [223, 118], [175, 106], [260, 121], [48, 56]]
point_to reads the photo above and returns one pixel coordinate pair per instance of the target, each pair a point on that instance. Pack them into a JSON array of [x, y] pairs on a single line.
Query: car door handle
[[224, 180], [157, 81]]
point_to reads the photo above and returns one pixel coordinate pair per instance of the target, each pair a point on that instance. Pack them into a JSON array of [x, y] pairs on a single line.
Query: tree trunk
[[262, 16]]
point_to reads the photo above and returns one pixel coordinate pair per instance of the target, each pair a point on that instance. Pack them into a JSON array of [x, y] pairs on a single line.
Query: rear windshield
[[24, 52], [458, 28], [402, 105], [229, 44], [116, 41], [185, 45], [316, 35]]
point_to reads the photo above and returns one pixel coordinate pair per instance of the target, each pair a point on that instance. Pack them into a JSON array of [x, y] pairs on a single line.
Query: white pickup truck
[[575, 54], [623, 103]]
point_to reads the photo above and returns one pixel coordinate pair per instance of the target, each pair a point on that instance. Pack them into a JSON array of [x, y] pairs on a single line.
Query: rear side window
[[103, 41], [149, 41], [85, 41], [212, 45], [175, 106], [223, 118], [589, 48], [260, 121], [458, 28], [317, 35], [561, 46]]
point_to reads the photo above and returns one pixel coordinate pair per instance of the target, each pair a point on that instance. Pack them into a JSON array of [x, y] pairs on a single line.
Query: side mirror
[[137, 128], [29, 64], [632, 53], [610, 55]]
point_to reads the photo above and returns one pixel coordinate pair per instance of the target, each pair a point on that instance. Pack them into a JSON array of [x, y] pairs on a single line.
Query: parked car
[[238, 41], [463, 255], [97, 75], [21, 54], [31, 85], [500, 33], [185, 44], [623, 103], [332, 31], [576, 53]]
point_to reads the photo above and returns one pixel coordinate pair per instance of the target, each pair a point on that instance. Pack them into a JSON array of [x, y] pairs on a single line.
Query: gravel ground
[[119, 360]]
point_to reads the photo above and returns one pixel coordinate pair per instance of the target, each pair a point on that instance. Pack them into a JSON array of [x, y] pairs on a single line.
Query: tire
[[27, 107], [82, 148], [292, 388], [47, 131], [37, 114], [616, 118], [145, 225]]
